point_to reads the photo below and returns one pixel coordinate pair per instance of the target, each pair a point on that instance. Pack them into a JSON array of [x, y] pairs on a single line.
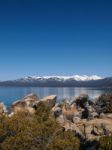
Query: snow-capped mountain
[[63, 78], [60, 81]]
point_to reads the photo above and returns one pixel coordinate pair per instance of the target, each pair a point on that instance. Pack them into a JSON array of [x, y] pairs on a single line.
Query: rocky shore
[[89, 120]]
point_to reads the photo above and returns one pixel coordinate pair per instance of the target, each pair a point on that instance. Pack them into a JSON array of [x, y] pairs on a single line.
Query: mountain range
[[60, 81]]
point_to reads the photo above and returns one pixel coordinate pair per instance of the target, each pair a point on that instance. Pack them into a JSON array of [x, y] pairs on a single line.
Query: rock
[[107, 115], [92, 112], [73, 127], [94, 129], [61, 120], [85, 113], [93, 115], [26, 103], [81, 101], [65, 101], [85, 107], [98, 130], [91, 103], [88, 132], [3, 109], [50, 100], [104, 103], [69, 111], [31, 99], [76, 120], [56, 111], [102, 115]]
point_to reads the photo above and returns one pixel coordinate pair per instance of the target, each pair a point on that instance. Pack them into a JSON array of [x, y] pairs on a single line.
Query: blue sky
[[62, 37]]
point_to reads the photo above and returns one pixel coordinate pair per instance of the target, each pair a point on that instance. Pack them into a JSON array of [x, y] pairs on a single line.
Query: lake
[[10, 94]]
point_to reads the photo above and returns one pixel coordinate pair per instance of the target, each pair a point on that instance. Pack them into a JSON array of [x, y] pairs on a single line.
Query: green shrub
[[105, 143], [65, 141], [25, 131], [42, 112]]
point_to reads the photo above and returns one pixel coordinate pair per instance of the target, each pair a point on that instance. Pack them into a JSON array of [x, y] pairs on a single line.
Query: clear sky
[[57, 37]]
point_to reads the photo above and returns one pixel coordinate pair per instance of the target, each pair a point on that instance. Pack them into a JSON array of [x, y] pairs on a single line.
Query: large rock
[[61, 120], [104, 103], [85, 107], [81, 101], [76, 120], [70, 111], [92, 112], [88, 130], [56, 111], [31, 99], [26, 103], [94, 129], [50, 100], [73, 127], [106, 115]]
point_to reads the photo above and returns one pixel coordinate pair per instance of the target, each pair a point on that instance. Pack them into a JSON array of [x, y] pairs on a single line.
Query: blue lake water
[[10, 94]]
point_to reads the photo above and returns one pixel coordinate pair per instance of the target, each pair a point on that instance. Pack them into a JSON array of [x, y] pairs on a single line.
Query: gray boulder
[[104, 103], [81, 101]]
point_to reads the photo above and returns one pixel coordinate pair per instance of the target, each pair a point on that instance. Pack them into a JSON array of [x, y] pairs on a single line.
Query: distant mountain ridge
[[75, 77], [60, 81]]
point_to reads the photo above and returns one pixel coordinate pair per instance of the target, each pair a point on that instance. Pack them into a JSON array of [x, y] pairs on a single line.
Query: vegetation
[[105, 143], [64, 141], [39, 131]]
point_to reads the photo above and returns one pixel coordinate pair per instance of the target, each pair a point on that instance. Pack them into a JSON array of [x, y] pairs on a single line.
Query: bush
[[65, 141], [25, 131], [105, 143], [42, 112]]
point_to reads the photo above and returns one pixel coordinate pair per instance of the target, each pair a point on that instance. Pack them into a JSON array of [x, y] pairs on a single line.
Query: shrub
[[42, 112], [105, 143], [25, 131], [64, 141]]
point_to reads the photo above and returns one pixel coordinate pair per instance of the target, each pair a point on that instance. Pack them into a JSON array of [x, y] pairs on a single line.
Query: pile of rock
[[78, 109], [84, 118]]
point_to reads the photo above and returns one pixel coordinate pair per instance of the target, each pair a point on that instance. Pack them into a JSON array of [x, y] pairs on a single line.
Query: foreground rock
[[83, 117], [30, 101], [95, 128], [70, 111], [81, 101], [26, 103], [104, 103], [50, 100]]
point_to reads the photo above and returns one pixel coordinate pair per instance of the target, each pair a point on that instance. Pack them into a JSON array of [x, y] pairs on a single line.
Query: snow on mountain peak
[[74, 77]]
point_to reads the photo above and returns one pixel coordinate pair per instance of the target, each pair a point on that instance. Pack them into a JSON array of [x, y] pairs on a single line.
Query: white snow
[[74, 77]]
